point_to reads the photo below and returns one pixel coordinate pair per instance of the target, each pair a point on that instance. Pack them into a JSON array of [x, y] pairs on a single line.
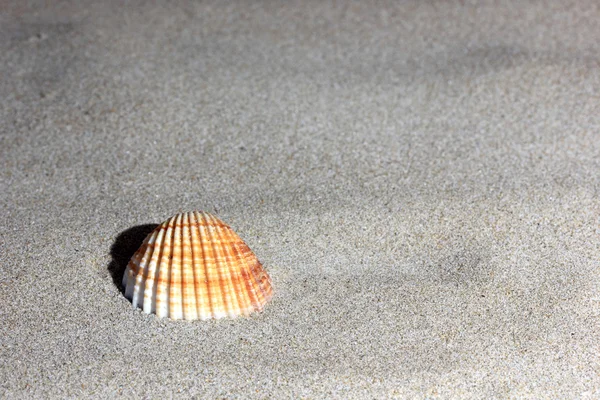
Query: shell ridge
[[260, 292], [161, 240], [201, 221], [171, 232], [215, 241], [146, 266], [127, 274], [263, 280], [190, 276], [129, 280], [181, 265], [198, 262], [245, 302], [162, 303], [254, 301], [186, 308], [139, 271], [217, 262], [235, 303], [258, 273], [192, 221], [250, 267], [132, 268], [174, 272]]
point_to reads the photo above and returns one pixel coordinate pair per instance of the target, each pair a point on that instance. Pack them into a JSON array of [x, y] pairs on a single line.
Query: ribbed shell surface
[[194, 266]]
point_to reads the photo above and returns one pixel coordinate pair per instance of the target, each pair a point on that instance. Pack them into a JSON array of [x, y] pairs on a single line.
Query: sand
[[420, 180]]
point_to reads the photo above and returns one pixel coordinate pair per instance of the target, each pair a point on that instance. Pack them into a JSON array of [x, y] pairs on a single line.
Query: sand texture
[[420, 179]]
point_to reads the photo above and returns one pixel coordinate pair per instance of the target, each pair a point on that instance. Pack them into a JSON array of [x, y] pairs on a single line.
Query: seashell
[[194, 266]]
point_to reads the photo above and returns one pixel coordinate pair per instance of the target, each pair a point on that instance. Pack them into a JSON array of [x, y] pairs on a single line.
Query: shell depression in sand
[[194, 266]]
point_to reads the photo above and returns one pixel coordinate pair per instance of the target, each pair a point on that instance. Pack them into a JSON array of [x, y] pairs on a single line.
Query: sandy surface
[[420, 180]]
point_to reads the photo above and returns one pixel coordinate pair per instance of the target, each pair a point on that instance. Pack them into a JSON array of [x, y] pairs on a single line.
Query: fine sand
[[420, 179]]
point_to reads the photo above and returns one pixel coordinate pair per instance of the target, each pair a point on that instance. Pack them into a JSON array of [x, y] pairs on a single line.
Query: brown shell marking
[[194, 266]]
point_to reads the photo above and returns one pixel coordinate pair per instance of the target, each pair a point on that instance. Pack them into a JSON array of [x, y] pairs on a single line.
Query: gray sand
[[420, 180]]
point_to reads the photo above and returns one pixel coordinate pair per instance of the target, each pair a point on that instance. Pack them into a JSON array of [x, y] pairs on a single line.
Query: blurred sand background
[[420, 179]]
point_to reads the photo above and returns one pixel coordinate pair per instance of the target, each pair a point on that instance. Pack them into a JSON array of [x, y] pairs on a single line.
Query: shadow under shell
[[125, 245]]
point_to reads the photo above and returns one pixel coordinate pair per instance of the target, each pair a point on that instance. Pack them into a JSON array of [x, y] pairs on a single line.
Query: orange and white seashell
[[194, 266]]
